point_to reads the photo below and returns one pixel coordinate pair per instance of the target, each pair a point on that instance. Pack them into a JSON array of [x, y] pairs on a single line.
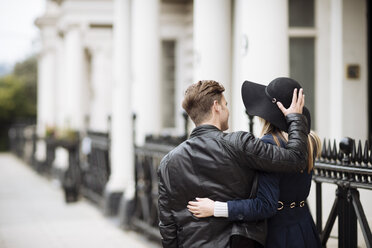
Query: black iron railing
[[95, 165], [71, 178], [144, 208], [22, 140], [46, 166], [350, 169], [147, 160], [348, 166]]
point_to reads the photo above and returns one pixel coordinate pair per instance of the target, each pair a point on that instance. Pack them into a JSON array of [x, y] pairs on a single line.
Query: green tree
[[17, 97], [26, 71]]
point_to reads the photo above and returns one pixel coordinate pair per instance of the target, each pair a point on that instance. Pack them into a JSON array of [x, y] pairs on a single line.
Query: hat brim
[[257, 103]]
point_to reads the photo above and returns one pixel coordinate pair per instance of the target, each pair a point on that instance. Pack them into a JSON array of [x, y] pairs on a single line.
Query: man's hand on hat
[[296, 105]]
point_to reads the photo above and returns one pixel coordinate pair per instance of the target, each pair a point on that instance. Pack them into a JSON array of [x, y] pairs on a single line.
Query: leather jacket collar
[[203, 129]]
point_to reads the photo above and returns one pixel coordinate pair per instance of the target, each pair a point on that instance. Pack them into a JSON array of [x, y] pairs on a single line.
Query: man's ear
[[216, 106]]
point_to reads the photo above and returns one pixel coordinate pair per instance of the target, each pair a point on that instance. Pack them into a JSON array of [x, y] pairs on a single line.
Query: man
[[220, 166]]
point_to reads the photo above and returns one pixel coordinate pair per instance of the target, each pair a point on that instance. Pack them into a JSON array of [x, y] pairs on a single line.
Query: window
[[301, 13], [302, 67], [302, 48]]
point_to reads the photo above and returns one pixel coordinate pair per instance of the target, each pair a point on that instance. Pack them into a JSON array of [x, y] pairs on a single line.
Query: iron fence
[[71, 177], [22, 140], [50, 155], [95, 165], [348, 166], [147, 159], [349, 169]]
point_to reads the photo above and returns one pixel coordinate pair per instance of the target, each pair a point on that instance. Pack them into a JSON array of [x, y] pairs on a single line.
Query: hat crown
[[282, 90], [260, 100]]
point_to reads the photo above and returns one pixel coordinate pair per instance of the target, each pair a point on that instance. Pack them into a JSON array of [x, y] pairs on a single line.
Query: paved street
[[33, 214]]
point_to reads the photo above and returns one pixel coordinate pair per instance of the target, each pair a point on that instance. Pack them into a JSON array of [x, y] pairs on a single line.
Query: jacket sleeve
[[263, 206], [257, 155], [167, 224]]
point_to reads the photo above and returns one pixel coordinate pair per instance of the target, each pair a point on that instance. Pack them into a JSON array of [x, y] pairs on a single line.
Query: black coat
[[220, 166]]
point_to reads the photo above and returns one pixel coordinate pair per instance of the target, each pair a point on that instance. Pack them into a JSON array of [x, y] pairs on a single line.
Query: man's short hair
[[199, 98]]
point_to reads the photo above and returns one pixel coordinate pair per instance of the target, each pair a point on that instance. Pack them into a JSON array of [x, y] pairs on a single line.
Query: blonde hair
[[313, 141]]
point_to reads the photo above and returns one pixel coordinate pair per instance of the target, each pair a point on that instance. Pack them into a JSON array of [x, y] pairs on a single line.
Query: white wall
[[322, 68], [336, 70], [355, 91], [341, 103]]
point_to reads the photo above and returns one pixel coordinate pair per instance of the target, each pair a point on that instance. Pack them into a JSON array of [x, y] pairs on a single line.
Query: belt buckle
[[293, 204], [282, 205], [302, 204]]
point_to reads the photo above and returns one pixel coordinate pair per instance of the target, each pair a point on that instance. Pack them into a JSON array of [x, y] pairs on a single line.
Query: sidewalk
[[33, 214]]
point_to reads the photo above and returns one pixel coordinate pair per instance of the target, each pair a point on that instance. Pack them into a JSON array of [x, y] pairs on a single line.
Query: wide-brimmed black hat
[[260, 100]]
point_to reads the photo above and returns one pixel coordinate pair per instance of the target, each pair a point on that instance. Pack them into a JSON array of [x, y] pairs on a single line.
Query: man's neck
[[211, 122]]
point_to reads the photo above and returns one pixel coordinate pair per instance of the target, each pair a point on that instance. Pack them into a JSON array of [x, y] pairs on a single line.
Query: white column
[[46, 96], [336, 68], [101, 100], [212, 42], [146, 67], [74, 76], [46, 93], [122, 154], [260, 49]]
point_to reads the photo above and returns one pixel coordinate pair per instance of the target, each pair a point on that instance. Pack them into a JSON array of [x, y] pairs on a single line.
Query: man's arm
[[266, 157], [270, 158], [263, 206], [167, 225]]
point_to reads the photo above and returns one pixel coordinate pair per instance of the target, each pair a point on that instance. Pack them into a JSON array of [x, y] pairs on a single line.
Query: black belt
[[294, 204]]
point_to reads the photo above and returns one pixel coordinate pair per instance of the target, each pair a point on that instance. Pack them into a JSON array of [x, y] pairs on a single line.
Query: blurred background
[[91, 90], [20, 43]]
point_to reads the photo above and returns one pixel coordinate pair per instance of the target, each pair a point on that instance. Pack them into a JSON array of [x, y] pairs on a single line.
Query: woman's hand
[[202, 207]]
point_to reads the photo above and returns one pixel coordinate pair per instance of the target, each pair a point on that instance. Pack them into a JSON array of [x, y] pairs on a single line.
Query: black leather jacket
[[220, 166]]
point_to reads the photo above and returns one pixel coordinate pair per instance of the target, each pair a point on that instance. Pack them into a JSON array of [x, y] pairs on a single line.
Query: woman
[[292, 226]]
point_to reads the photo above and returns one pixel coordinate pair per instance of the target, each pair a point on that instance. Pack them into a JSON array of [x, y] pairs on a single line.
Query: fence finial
[[359, 153], [365, 155], [324, 150], [353, 153], [329, 151], [334, 151], [370, 155], [346, 147], [340, 155]]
